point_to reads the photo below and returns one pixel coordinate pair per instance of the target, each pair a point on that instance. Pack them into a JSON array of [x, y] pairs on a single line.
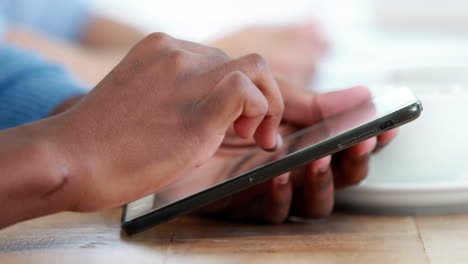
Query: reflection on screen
[[300, 140]]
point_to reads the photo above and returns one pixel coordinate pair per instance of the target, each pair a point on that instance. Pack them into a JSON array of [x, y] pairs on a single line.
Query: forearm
[[34, 174]]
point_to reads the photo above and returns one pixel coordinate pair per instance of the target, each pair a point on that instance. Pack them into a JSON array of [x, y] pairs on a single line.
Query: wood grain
[[341, 238]]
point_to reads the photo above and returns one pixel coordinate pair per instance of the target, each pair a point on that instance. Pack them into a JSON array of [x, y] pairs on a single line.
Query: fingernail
[[321, 166], [361, 154], [282, 179], [365, 155], [320, 170]]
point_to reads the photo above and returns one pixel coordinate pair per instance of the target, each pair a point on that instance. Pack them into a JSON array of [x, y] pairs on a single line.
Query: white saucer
[[425, 169]]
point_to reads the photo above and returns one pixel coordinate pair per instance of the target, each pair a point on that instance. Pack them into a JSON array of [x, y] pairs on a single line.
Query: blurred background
[[353, 42], [368, 39]]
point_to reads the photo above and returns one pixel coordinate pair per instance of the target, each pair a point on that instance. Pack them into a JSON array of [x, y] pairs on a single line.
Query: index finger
[[258, 71]]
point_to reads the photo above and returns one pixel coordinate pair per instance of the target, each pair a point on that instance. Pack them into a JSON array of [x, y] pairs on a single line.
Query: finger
[[305, 108], [235, 100], [277, 202], [257, 70], [156, 41], [349, 169], [386, 137], [363, 148], [242, 205], [269, 201], [351, 165], [318, 189]]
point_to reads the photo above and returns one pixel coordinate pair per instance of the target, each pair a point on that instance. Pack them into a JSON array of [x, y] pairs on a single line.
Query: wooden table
[[341, 238]]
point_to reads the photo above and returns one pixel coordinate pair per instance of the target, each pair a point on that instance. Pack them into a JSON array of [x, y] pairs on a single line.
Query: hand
[[291, 50], [309, 191], [163, 111]]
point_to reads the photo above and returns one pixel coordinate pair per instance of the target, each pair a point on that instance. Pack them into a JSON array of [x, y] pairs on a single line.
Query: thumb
[[304, 108]]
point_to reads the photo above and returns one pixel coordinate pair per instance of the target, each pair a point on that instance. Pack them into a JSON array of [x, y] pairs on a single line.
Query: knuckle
[[277, 109], [260, 103], [239, 81], [263, 105], [258, 109], [257, 61], [178, 55], [158, 39], [243, 88], [178, 58], [241, 84], [219, 51]]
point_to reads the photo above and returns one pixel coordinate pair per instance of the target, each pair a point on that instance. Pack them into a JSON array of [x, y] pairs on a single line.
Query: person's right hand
[[307, 191], [163, 111]]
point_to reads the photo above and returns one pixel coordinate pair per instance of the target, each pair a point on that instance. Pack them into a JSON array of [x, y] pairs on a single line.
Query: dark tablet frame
[[261, 174]]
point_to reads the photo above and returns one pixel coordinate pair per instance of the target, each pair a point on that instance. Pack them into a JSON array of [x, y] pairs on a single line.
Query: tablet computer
[[390, 109]]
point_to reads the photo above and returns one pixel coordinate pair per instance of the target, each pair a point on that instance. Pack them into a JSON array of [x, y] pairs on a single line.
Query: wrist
[[70, 145], [34, 175], [66, 160]]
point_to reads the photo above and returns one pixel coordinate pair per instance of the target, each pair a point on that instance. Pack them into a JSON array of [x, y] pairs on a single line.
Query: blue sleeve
[[2, 27], [63, 19], [30, 88]]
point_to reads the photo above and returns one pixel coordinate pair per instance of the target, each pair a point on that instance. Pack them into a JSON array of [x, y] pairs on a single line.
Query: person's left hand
[[307, 192]]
